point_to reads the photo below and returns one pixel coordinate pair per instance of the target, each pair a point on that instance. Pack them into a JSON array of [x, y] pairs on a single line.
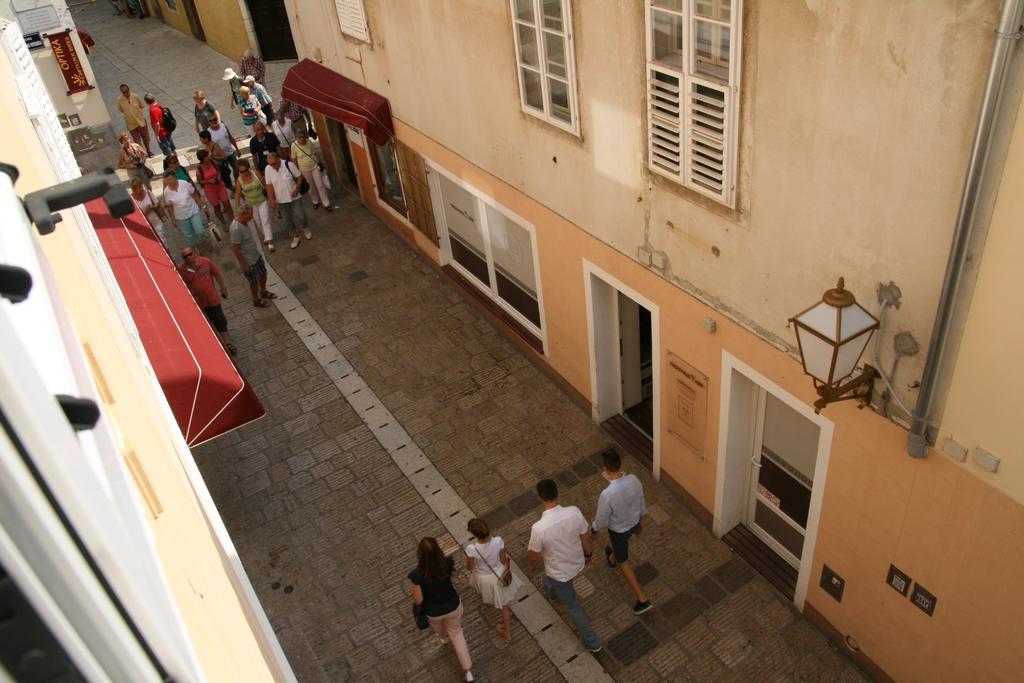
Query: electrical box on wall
[[899, 581], [832, 583], [923, 600]]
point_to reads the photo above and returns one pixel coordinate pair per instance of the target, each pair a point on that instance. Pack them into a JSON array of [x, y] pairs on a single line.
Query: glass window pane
[[389, 185], [667, 38], [712, 50], [559, 93], [512, 249], [461, 214], [674, 5], [554, 46], [524, 10], [713, 9], [528, 46], [552, 13], [788, 537], [532, 95]]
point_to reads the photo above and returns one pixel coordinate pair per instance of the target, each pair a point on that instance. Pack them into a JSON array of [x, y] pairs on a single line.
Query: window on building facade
[[693, 93], [545, 61], [389, 181], [493, 250], [352, 16], [172, 5]]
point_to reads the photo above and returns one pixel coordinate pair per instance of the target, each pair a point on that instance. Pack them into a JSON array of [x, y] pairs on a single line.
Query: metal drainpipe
[[1006, 34]]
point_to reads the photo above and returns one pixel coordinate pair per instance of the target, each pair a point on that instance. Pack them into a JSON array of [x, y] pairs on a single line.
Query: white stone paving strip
[[539, 618]]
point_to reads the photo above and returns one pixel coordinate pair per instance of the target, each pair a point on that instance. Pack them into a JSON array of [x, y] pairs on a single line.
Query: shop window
[[493, 250], [389, 181]]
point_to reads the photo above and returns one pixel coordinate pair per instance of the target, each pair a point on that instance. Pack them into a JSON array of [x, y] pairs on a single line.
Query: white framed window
[[491, 247], [352, 17], [693, 89], [545, 61]]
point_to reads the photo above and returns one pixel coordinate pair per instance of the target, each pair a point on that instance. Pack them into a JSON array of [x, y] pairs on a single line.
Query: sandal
[[608, 554], [260, 303], [268, 295], [504, 634]]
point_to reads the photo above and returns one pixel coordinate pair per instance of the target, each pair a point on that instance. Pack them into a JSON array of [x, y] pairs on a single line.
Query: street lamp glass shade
[[832, 339]]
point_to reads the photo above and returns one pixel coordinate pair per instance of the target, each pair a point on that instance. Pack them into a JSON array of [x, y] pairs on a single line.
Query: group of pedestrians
[[561, 539], [239, 187]]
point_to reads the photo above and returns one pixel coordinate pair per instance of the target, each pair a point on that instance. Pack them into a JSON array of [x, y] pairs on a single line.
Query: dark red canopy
[[207, 394], [328, 92]]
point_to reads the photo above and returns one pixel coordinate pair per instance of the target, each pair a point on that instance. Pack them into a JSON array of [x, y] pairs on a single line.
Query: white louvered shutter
[[664, 121], [352, 16], [708, 137]]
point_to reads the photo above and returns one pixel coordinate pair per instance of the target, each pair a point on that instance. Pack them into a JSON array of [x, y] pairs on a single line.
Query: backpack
[[169, 123]]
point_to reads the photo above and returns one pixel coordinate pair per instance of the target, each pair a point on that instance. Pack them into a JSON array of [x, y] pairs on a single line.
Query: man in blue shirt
[[621, 508]]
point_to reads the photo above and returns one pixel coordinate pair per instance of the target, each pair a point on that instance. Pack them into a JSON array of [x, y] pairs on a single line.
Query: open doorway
[[773, 458], [272, 28], [623, 327]]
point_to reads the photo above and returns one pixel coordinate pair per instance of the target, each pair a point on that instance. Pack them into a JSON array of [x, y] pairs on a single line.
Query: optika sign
[[68, 61]]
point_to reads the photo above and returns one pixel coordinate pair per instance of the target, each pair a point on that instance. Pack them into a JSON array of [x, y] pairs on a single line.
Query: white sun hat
[[229, 73]]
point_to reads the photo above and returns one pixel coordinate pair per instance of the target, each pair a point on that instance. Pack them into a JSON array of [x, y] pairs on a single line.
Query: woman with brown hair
[[434, 593], [490, 570]]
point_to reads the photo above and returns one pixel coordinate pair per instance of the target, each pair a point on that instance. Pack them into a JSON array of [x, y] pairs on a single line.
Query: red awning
[[207, 394], [340, 98]]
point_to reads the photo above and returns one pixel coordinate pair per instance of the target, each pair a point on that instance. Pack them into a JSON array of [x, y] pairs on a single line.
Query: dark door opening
[[193, 20], [636, 365], [339, 155], [273, 31]]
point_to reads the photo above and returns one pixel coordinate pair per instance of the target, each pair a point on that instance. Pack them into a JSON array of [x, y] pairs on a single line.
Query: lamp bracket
[[849, 390]]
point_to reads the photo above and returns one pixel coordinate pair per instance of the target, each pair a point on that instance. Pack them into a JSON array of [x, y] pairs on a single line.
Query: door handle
[[755, 462]]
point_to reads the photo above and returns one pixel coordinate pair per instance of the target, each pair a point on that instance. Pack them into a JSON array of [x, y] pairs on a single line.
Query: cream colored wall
[[855, 129], [982, 409], [89, 104], [217, 619]]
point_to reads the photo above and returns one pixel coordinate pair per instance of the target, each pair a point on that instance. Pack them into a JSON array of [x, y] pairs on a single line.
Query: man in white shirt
[[220, 134], [621, 508], [283, 191], [562, 539]]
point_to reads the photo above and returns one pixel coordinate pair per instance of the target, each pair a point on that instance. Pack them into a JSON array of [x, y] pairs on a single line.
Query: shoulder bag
[[505, 578], [420, 617], [304, 185]]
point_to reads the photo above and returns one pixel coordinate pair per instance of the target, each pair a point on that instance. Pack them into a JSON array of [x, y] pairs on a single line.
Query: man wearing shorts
[[284, 193], [199, 274], [621, 508], [249, 257]]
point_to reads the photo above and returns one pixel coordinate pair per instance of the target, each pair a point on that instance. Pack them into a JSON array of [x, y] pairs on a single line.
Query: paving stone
[[734, 574], [308, 261], [357, 276], [645, 573], [499, 517], [709, 590], [584, 469], [632, 644], [682, 609], [299, 288], [566, 479], [524, 503]]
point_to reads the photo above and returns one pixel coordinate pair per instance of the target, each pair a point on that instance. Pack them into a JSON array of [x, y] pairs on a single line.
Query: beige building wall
[[982, 410], [227, 29], [220, 622], [855, 127], [854, 134]]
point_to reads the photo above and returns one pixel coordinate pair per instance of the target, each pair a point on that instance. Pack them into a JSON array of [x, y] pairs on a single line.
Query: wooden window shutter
[[417, 191]]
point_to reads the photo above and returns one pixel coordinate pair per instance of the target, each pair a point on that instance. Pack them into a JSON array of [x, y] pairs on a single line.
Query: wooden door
[[273, 31], [416, 190]]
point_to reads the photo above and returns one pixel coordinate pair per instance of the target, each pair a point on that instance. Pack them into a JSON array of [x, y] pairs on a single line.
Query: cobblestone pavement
[[326, 524]]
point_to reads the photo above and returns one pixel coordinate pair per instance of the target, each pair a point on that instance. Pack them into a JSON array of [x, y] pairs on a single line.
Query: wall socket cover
[[832, 583], [899, 581]]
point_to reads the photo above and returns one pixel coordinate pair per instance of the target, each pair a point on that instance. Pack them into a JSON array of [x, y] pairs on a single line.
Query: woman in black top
[[433, 591]]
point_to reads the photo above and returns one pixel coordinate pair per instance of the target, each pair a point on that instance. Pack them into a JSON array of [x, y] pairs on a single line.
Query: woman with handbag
[[208, 176], [132, 158], [251, 187], [434, 593], [306, 156], [150, 207], [490, 570]]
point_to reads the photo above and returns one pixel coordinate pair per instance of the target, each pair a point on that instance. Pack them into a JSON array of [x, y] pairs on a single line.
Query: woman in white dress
[[488, 563]]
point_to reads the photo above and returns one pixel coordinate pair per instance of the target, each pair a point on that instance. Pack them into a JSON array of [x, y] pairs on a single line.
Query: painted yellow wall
[[217, 619], [222, 25], [855, 127], [981, 409]]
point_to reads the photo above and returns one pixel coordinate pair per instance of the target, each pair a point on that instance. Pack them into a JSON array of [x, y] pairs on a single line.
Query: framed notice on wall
[[688, 404]]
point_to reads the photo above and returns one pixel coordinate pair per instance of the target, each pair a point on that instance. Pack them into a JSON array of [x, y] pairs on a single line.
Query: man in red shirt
[[199, 274], [156, 118]]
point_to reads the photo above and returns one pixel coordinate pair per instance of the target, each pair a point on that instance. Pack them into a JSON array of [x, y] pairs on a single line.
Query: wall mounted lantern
[[832, 335]]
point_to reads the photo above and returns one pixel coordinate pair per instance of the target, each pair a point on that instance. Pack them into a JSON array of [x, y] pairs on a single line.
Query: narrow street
[[326, 521]]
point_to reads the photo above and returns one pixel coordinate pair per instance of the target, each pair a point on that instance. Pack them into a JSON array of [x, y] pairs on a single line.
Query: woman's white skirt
[[491, 591]]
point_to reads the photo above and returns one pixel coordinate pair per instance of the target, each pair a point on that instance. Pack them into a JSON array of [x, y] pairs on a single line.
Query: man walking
[[130, 107], [562, 539], [220, 134], [621, 508], [249, 257], [261, 144], [160, 125], [199, 274], [261, 95], [284, 182]]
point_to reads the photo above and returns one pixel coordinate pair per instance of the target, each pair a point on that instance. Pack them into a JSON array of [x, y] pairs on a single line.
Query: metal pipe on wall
[[1007, 33]]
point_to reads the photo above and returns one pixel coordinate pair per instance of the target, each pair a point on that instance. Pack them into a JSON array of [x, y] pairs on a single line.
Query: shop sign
[[36, 19], [67, 59]]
